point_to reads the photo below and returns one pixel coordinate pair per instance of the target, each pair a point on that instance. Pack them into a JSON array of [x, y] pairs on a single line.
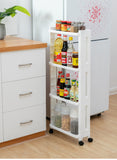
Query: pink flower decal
[[95, 14]]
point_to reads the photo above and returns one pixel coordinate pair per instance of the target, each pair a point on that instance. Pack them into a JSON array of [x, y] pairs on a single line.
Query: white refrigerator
[[96, 15]]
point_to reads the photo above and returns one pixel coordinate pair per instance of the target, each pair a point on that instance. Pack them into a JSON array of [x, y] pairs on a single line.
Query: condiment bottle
[[57, 119], [67, 87], [75, 60], [64, 26], [62, 86], [76, 92], [72, 90], [58, 45], [74, 121], [68, 26], [69, 52], [64, 51], [58, 82], [58, 25]]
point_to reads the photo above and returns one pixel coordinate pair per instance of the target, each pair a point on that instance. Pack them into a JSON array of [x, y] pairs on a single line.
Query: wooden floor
[[103, 130]]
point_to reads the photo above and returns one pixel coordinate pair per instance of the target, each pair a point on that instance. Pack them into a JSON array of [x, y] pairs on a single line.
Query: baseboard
[[113, 91], [22, 139]]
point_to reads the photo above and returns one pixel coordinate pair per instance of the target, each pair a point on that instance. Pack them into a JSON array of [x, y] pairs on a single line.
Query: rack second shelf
[[64, 100], [63, 67]]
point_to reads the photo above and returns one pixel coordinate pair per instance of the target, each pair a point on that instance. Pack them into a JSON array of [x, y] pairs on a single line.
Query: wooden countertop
[[15, 44]]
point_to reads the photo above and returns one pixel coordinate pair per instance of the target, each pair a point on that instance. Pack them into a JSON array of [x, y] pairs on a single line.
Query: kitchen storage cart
[[83, 71]]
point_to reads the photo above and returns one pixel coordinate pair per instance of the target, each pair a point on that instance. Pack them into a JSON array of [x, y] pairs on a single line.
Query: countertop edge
[[25, 47]]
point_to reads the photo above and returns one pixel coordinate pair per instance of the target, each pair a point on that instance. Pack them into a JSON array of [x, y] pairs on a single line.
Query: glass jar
[[68, 26], [74, 121], [75, 27], [64, 26], [57, 119], [79, 25], [65, 117], [82, 27], [58, 25], [72, 27], [75, 60]]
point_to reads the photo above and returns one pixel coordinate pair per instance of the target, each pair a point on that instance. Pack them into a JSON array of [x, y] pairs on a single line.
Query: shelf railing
[[64, 67], [64, 100]]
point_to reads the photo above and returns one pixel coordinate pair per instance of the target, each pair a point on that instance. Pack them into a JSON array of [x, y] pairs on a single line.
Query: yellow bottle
[[58, 45]]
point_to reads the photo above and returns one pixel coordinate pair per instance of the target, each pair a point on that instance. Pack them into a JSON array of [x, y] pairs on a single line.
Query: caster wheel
[[90, 140], [99, 114], [51, 131], [81, 143]]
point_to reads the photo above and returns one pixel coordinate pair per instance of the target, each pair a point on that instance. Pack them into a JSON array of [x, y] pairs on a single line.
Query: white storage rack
[[83, 38]]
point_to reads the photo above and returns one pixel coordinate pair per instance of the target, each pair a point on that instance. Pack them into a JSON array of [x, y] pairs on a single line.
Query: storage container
[[74, 121], [57, 119], [65, 117]]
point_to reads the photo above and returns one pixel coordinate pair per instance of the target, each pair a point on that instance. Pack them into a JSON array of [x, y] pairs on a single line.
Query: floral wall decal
[[95, 14]]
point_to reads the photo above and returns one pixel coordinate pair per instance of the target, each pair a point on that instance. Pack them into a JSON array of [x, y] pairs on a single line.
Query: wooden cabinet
[[22, 89]]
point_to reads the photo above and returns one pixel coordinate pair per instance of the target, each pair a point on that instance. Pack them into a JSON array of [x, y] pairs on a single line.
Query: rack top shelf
[[53, 30]]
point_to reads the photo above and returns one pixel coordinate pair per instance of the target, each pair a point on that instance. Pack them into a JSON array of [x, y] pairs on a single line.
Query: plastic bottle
[[69, 52], [62, 86], [67, 87], [76, 92], [72, 90], [58, 45], [64, 51], [58, 82]]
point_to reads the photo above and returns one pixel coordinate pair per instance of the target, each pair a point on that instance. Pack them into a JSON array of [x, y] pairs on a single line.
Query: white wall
[[11, 23], [25, 23], [21, 24], [113, 68]]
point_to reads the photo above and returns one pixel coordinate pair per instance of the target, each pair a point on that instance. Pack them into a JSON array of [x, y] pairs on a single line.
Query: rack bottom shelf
[[64, 132]]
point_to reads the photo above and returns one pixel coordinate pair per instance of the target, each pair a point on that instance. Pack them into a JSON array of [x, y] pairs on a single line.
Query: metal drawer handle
[[24, 65], [23, 123], [25, 94]]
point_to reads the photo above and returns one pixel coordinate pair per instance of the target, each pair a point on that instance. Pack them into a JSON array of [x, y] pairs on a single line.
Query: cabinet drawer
[[24, 122], [23, 64], [24, 93]]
